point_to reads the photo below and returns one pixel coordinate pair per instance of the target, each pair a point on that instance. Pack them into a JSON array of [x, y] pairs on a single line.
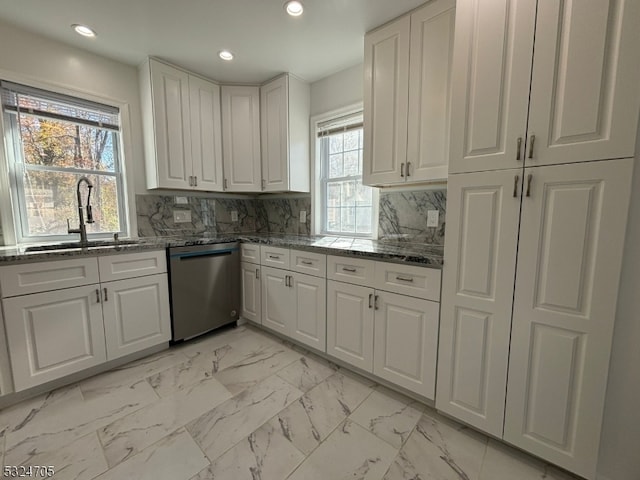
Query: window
[[347, 204], [52, 141]]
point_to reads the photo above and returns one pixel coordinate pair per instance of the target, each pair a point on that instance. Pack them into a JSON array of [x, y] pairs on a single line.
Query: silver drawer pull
[[274, 257], [404, 279], [350, 270], [306, 262]]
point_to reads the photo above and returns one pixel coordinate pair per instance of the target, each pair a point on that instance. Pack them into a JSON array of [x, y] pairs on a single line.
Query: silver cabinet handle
[[529, 178], [404, 279], [274, 257], [515, 185], [402, 170], [306, 262], [376, 302], [106, 297], [98, 295], [519, 143], [263, 183], [286, 280], [195, 181], [225, 184], [350, 270], [532, 142], [258, 273], [408, 169], [371, 300]]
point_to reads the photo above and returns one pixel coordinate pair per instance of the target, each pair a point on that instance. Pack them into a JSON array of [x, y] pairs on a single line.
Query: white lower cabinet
[[276, 300], [136, 314], [54, 334], [406, 342], [251, 307], [309, 325], [350, 324]]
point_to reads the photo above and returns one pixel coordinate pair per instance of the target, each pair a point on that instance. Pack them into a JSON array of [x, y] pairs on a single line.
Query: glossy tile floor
[[243, 405]]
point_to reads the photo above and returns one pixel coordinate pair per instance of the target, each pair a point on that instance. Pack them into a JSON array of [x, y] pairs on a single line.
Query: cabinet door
[[569, 261], [477, 296], [206, 134], [431, 51], [170, 90], [406, 342], [6, 384], [54, 334], [490, 83], [277, 296], [251, 294], [350, 324], [585, 88], [136, 314], [241, 138], [386, 85], [310, 319], [274, 128]]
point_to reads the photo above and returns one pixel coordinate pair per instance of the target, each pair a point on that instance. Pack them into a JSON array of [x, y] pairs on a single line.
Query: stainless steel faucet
[[82, 228]]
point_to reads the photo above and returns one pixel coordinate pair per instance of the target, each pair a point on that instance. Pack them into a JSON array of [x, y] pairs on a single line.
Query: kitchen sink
[[71, 245]]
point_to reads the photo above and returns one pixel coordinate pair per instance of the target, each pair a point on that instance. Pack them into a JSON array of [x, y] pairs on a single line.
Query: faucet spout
[[82, 227]]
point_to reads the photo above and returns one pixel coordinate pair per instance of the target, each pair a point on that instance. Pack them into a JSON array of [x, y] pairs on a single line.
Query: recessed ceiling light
[[83, 30], [225, 55], [294, 8]]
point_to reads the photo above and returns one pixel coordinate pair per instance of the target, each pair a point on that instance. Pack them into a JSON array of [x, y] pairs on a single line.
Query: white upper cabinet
[[406, 96], [569, 262], [284, 130], [241, 138], [181, 129], [572, 94]]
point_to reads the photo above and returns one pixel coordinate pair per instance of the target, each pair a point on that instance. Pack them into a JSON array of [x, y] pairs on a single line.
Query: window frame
[[13, 209], [318, 185]]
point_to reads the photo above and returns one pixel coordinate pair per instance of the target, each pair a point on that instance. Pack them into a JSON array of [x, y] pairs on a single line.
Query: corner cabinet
[[182, 129], [407, 68], [62, 317], [284, 130], [241, 138], [544, 341], [544, 83]]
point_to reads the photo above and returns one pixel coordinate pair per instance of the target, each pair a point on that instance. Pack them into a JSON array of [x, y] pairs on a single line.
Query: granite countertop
[[399, 252]]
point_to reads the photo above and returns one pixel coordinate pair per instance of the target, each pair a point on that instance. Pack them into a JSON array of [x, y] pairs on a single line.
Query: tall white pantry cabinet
[[545, 102]]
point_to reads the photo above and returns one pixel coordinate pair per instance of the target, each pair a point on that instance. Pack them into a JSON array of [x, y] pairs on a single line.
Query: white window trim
[[7, 219], [317, 208]]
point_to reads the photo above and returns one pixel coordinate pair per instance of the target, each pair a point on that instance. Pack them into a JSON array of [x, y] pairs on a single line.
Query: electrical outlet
[[303, 216], [182, 201], [432, 218], [181, 216], [234, 215]]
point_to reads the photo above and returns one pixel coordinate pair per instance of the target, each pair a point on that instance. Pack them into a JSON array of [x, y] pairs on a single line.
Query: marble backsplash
[[402, 215]]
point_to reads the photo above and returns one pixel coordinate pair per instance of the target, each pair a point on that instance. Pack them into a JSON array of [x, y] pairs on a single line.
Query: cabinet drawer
[[309, 263], [418, 282], [274, 256], [130, 265], [38, 277], [250, 252], [350, 270]]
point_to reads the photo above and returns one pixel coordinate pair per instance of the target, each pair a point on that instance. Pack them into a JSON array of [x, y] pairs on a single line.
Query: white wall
[[620, 442], [29, 58], [339, 90]]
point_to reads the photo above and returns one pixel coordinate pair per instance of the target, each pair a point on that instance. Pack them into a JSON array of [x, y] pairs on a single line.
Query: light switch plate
[[181, 216], [432, 218], [234, 215], [303, 216]]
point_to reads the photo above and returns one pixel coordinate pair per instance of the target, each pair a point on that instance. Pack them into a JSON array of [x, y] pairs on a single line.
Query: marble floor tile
[[175, 457], [350, 452], [204, 363], [307, 372], [502, 462], [263, 455], [81, 459], [388, 415], [211, 341], [221, 428], [439, 449], [309, 420], [249, 372], [72, 416], [131, 434]]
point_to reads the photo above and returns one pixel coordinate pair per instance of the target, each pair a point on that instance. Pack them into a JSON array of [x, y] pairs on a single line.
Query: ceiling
[[327, 38]]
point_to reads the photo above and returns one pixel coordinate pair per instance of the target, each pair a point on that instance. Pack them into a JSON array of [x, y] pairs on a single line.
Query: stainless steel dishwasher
[[205, 288]]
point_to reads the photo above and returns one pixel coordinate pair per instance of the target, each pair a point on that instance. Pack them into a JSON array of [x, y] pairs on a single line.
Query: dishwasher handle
[[206, 253]]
